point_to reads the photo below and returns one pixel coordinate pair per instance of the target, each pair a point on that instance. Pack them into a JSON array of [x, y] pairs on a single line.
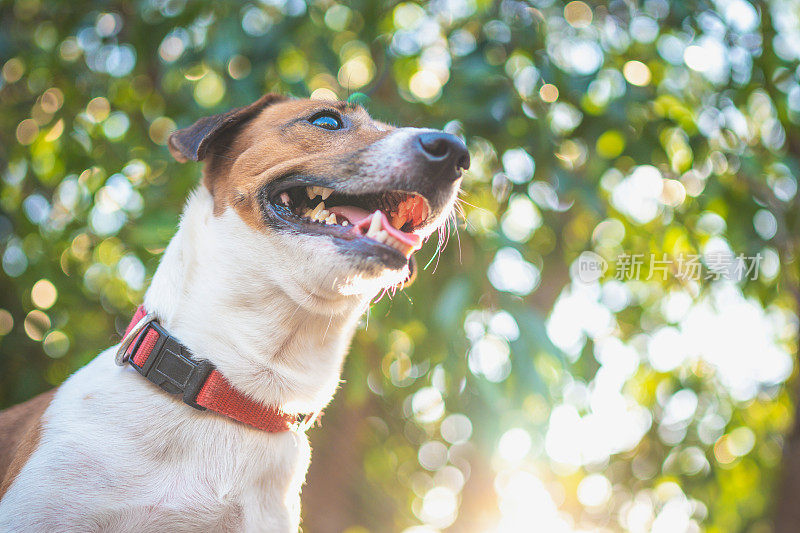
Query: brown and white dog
[[307, 210]]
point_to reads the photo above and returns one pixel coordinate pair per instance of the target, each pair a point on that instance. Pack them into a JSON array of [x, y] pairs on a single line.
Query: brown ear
[[192, 143]]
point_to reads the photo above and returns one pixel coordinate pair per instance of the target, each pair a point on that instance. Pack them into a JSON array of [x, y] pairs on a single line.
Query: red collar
[[162, 359]]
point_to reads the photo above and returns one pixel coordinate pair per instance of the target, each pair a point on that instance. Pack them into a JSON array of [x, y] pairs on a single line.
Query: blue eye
[[328, 122]]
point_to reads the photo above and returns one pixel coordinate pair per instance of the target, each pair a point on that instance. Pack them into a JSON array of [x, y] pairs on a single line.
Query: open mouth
[[389, 219]]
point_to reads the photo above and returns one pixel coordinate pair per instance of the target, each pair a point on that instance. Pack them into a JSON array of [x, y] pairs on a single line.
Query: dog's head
[[344, 199]]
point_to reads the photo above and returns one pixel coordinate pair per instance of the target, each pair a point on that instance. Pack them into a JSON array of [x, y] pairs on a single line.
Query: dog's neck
[[218, 290]]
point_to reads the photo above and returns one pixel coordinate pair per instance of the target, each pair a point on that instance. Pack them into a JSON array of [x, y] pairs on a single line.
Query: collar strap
[[162, 359]]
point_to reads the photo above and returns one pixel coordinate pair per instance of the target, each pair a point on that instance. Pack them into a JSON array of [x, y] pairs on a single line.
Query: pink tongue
[[352, 213], [360, 219]]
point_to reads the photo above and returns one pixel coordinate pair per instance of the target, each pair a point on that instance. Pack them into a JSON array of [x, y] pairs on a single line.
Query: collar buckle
[[123, 354], [171, 367]]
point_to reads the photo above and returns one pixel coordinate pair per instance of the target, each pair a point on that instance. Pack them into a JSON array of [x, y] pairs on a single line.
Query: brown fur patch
[[20, 430], [276, 141]]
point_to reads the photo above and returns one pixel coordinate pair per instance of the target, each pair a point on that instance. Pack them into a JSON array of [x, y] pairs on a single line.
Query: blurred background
[[512, 388]]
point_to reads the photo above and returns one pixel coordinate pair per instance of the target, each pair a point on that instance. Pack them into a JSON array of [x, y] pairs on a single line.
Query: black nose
[[445, 150]]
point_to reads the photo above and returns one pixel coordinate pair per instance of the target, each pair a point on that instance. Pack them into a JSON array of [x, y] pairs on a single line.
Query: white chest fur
[[118, 454]]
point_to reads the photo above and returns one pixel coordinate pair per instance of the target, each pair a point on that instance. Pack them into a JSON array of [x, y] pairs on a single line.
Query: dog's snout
[[445, 151]]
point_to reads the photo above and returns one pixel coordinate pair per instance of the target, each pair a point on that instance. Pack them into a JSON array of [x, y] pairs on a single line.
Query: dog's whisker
[[325, 335], [438, 257], [305, 300], [458, 238], [462, 201], [459, 208], [444, 238], [437, 254], [384, 292], [410, 300], [438, 245]]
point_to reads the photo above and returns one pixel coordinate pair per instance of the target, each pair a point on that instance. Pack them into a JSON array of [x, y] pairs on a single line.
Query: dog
[[196, 421]]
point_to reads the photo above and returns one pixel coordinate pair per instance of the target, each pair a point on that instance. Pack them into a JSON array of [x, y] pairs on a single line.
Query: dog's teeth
[[345, 223], [322, 215], [394, 243], [331, 219], [314, 191], [381, 236], [375, 224], [285, 198], [320, 207]]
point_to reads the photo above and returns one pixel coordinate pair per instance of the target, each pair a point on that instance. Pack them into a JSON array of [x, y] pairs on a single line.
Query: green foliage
[[502, 387]]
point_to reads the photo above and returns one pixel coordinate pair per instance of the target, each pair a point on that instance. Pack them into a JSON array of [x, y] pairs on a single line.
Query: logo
[[591, 267]]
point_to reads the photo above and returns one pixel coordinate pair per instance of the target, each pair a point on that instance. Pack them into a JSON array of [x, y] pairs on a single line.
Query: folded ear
[[192, 143]]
